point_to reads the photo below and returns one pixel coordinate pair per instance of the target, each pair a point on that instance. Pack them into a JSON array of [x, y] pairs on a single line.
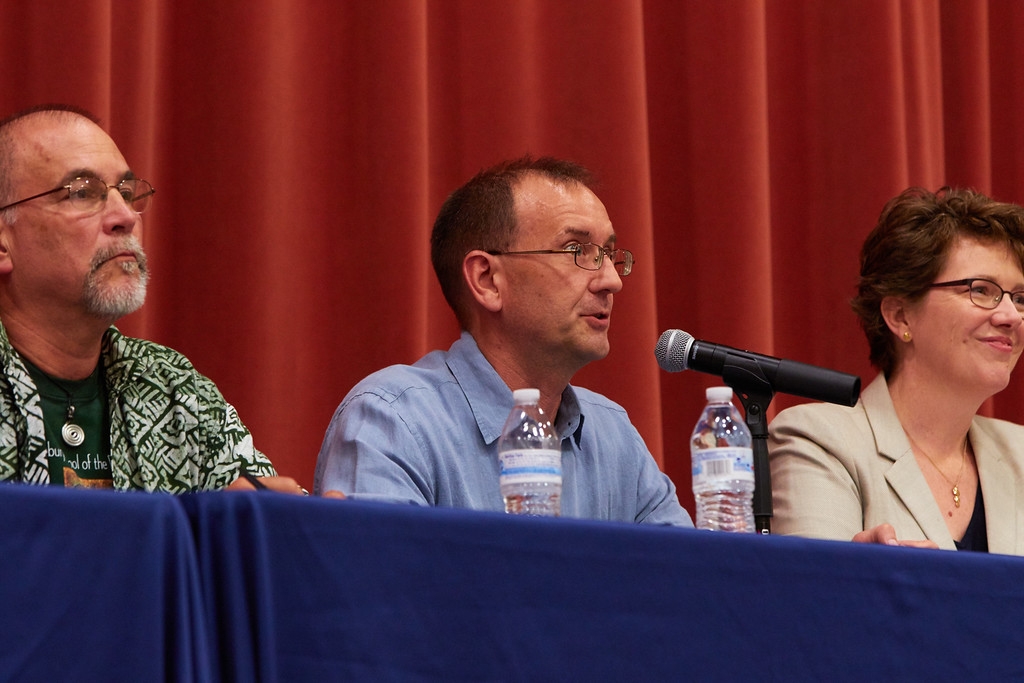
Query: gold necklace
[[956, 484]]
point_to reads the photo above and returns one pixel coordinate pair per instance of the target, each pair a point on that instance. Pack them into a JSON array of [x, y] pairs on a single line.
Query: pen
[[256, 483]]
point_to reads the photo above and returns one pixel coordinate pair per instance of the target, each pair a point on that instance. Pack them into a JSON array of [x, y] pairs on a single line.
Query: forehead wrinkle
[[91, 173], [583, 233], [49, 144]]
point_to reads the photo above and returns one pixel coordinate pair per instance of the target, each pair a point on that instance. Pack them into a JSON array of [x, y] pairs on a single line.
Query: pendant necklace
[[87, 390], [71, 432], [74, 435], [955, 484]]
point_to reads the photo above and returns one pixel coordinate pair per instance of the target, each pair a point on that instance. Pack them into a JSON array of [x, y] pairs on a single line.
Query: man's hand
[[333, 494], [886, 535], [247, 482]]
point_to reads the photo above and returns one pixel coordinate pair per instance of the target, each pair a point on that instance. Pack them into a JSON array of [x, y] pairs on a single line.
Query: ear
[[894, 311], [484, 278], [6, 263]]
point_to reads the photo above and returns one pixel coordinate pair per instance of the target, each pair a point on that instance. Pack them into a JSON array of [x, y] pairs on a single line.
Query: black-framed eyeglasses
[[985, 293], [89, 194], [587, 256]]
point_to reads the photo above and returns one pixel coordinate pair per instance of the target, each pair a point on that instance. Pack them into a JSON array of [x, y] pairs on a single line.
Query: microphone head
[[673, 350]]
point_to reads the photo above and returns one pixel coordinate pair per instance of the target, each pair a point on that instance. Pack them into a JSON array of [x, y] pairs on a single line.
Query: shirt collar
[[489, 397]]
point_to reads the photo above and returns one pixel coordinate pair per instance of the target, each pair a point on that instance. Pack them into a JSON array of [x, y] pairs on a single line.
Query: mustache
[[128, 244]]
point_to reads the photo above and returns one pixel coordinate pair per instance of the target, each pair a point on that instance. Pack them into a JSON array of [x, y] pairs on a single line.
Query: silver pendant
[[72, 434]]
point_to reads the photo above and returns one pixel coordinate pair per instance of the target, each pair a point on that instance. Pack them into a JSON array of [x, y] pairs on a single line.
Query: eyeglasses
[[587, 256], [89, 194], [985, 293]]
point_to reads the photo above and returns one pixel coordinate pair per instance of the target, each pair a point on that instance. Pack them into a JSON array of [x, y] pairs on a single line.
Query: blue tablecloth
[[262, 586], [357, 591], [98, 586]]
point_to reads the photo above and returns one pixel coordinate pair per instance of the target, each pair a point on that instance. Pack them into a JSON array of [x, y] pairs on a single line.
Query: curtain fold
[[301, 148]]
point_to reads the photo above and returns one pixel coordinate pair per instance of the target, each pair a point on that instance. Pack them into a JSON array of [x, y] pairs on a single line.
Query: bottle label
[[532, 465], [720, 464]]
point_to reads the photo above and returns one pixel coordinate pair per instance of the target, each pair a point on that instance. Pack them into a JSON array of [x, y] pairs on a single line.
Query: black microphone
[[677, 350]]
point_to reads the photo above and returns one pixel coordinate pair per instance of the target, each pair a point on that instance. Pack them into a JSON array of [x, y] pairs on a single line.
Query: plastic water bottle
[[723, 466], [531, 459]]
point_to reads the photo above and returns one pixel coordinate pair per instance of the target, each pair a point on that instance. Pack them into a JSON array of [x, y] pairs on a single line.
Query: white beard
[[115, 302]]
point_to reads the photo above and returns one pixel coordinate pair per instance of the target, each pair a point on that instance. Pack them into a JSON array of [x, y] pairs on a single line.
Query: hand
[[886, 535], [247, 482], [333, 494]]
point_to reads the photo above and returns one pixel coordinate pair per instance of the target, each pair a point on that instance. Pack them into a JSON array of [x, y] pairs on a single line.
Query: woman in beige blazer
[[941, 300]]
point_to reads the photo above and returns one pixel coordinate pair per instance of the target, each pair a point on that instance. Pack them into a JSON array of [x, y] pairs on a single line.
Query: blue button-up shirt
[[428, 434]]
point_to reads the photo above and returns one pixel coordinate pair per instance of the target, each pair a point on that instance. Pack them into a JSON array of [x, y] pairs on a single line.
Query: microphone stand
[[755, 393]]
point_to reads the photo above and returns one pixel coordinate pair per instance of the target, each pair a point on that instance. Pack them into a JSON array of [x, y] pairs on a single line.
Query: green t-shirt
[[88, 464]]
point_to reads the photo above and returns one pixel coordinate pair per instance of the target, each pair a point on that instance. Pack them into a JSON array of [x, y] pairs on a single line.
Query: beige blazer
[[838, 470]]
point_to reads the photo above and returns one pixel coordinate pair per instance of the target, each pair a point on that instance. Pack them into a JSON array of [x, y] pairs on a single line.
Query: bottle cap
[[530, 396], [718, 394]]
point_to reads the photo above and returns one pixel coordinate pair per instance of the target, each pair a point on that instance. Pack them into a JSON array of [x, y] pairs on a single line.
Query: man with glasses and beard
[[526, 257], [81, 404]]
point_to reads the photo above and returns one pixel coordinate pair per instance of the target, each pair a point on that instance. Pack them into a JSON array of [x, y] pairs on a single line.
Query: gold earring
[[906, 336]]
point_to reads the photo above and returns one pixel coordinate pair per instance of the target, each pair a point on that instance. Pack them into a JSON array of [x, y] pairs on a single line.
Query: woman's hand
[[886, 535]]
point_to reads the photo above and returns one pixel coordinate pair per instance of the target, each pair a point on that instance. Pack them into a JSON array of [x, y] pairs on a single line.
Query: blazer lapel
[[997, 485], [904, 476]]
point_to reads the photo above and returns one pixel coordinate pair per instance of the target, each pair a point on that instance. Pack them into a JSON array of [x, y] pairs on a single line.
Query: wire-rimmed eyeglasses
[[588, 256], [985, 293], [89, 194]]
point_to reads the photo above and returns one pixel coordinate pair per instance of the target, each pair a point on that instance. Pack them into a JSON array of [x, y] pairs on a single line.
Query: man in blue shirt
[[526, 257]]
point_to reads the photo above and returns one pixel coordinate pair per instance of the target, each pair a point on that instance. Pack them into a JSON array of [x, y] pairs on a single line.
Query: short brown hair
[[481, 215], [910, 246]]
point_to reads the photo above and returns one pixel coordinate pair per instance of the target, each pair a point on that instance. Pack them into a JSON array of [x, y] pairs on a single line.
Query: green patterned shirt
[[170, 428]]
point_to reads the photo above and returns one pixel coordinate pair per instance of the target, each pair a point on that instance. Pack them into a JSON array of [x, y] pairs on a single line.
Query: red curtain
[[301, 149]]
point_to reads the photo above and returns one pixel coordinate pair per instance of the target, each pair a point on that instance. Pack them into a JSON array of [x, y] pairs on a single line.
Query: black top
[[976, 536]]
